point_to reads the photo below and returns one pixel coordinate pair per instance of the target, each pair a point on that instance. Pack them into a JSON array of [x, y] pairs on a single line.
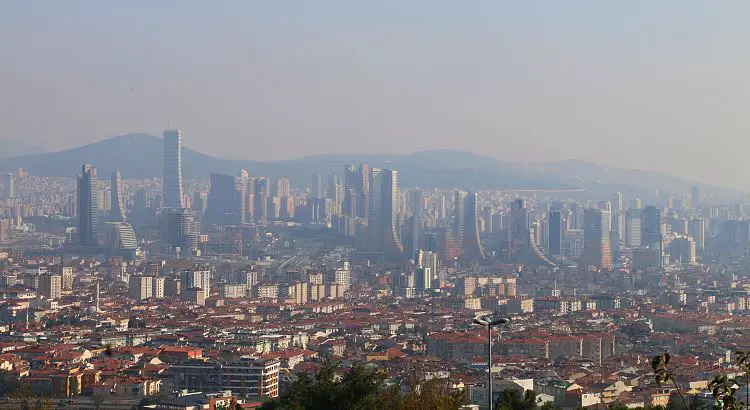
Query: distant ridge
[[10, 148], [140, 156]]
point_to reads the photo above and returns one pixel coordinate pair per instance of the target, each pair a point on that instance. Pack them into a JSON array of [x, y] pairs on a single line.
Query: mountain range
[[140, 156]]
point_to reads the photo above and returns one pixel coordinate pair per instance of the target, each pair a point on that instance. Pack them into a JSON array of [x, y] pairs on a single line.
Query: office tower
[[617, 205], [316, 186], [118, 235], [488, 214], [50, 286], [172, 178], [554, 230], [333, 180], [519, 222], [416, 208], [636, 203], [604, 206], [200, 202], [633, 219], [261, 189], [596, 247], [140, 287], [8, 186], [651, 226], [470, 241], [183, 230], [88, 207], [117, 201], [384, 205], [283, 188], [357, 178], [698, 232], [695, 196], [226, 200], [139, 199], [459, 215], [682, 250], [423, 278]]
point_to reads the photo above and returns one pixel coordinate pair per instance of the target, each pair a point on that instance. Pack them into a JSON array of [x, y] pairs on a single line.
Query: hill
[[140, 156]]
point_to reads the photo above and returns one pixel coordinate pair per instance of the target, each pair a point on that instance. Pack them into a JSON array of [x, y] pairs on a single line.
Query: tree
[[362, 388]]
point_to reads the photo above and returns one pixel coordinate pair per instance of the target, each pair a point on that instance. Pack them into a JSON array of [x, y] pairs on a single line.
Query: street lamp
[[489, 323]]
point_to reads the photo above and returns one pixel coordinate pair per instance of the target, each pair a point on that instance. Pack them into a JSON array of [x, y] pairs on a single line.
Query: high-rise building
[[200, 202], [356, 179], [596, 248], [316, 186], [226, 200], [183, 230], [172, 179], [261, 189], [695, 196], [283, 188], [633, 220], [383, 217], [196, 279], [423, 278], [8, 186], [66, 274], [333, 181], [88, 207], [698, 232], [117, 201], [416, 208], [50, 286], [519, 229], [554, 231], [118, 235], [471, 244], [651, 226]]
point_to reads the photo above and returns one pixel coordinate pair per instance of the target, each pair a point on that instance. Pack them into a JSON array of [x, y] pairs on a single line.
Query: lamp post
[[489, 323]]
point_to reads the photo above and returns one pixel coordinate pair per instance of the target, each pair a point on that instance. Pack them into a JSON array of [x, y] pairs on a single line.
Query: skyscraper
[[633, 220], [554, 230], [283, 188], [519, 222], [651, 226], [88, 207], [172, 179], [8, 186], [183, 230], [698, 232], [471, 243], [261, 189], [416, 207], [356, 190], [695, 196], [118, 203], [384, 205], [316, 186], [596, 239], [224, 201]]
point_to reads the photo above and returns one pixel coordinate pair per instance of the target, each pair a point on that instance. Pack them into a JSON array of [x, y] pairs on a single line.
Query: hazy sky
[[647, 84]]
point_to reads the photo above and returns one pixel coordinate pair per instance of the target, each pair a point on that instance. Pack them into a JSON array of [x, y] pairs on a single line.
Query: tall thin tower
[[172, 180], [88, 207], [118, 205], [383, 212]]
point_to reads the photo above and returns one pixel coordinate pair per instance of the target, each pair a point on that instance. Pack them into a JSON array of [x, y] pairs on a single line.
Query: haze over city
[[640, 84], [404, 205]]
